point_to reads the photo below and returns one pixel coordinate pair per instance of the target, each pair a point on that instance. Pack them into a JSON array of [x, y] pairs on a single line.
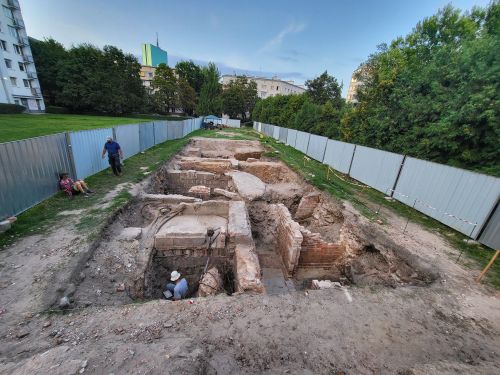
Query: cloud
[[277, 40]]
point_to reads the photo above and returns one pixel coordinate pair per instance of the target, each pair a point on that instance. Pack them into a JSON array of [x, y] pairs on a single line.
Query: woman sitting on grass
[[71, 187]]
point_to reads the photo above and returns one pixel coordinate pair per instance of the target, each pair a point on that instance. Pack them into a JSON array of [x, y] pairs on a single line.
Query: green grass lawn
[[21, 126]]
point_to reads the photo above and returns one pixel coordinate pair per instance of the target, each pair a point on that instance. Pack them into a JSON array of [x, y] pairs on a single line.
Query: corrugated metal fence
[[464, 200], [29, 168]]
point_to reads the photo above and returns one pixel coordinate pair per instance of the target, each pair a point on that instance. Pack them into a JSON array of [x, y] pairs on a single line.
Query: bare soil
[[406, 306]]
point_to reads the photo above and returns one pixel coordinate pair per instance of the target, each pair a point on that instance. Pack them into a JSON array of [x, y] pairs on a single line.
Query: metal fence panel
[[255, 125], [174, 129], [29, 171], [160, 129], [453, 196], [86, 148], [146, 135], [338, 155], [283, 134], [259, 127], [316, 148], [233, 123], [128, 138], [376, 168], [491, 234], [276, 132], [302, 141], [291, 137]]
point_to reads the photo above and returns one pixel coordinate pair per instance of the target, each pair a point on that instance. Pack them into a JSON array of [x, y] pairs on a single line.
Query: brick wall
[[289, 238], [180, 182], [316, 252]]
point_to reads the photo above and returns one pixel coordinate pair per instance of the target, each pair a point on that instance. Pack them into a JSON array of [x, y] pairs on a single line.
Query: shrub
[[56, 110], [11, 108]]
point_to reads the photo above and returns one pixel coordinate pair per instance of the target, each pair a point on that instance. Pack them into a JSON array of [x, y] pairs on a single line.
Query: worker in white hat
[[178, 288]]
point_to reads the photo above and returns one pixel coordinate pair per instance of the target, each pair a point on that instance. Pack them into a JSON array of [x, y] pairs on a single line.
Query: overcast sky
[[292, 39]]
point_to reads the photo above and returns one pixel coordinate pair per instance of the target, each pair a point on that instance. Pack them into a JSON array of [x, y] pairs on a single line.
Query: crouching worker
[[178, 289], [71, 187]]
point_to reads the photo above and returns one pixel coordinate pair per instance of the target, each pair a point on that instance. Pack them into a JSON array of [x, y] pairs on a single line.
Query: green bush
[[11, 108], [56, 110]]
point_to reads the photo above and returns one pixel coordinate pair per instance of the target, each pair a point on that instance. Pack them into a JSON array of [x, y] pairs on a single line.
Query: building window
[[17, 49], [13, 81], [150, 75], [26, 83], [7, 12], [277, 88], [21, 67], [3, 45], [13, 32], [8, 63]]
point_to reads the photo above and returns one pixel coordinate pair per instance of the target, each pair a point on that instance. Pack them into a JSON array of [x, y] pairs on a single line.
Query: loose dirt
[[404, 306]]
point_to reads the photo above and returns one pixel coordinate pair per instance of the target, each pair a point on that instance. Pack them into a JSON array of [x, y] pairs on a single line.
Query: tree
[[325, 88], [239, 97], [191, 72], [186, 96], [48, 55], [164, 85], [209, 101]]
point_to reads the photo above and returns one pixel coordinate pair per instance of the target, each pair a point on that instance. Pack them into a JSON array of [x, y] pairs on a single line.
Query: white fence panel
[[160, 128], [317, 146], [338, 155], [453, 196], [376, 168], [291, 137], [128, 138], [302, 141], [283, 134], [276, 132], [233, 123]]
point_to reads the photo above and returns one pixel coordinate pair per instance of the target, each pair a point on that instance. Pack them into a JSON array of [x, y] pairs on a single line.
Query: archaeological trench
[[232, 220]]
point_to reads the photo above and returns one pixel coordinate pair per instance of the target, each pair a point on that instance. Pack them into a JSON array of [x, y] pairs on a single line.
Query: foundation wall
[[180, 182], [269, 172], [289, 238], [317, 253], [218, 166]]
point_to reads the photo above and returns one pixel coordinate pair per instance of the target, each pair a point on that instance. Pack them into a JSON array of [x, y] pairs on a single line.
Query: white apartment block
[[267, 87], [19, 82]]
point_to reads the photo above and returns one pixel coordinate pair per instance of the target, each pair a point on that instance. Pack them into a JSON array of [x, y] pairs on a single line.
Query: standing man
[[114, 154]]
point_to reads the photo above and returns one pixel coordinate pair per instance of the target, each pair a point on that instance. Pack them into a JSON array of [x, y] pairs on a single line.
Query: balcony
[[28, 59], [13, 4], [18, 23], [36, 92], [31, 75], [22, 41]]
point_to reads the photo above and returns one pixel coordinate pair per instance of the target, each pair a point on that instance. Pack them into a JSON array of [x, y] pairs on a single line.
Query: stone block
[[307, 205], [249, 187], [247, 270]]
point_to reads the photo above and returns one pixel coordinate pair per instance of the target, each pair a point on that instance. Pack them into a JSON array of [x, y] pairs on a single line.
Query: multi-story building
[[19, 84], [269, 86], [152, 56], [354, 84]]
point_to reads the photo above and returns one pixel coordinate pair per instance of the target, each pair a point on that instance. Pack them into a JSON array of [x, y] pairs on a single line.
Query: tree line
[[87, 79], [433, 94]]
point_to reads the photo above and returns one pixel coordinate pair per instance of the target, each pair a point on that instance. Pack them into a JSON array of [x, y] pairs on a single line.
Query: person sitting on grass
[[71, 187]]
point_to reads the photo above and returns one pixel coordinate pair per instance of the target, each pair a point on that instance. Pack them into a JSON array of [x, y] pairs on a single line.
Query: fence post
[[352, 158], [397, 177], [69, 150]]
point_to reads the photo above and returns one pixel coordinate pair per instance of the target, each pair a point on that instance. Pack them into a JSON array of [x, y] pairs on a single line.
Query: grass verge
[[22, 126], [366, 200]]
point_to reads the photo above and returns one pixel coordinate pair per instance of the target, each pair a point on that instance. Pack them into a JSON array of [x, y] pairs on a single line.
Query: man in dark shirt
[[114, 154]]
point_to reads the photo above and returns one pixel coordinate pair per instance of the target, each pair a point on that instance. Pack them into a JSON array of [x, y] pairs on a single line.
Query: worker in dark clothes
[[114, 154]]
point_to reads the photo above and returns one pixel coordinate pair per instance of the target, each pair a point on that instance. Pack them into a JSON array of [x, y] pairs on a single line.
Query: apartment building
[[267, 87], [354, 84], [19, 84]]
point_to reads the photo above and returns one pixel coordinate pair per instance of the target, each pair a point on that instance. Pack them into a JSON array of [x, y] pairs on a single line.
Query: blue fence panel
[[291, 137], [376, 168], [302, 141], [317, 146], [455, 197], [276, 132], [160, 129], [491, 234], [29, 171], [146, 135], [128, 138], [283, 134], [338, 155], [186, 127], [174, 129], [86, 147]]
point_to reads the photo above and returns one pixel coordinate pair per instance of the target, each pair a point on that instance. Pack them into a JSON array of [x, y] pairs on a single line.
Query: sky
[[295, 40]]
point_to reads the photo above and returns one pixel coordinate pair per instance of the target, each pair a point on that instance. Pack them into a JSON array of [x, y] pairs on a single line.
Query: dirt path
[[451, 326]]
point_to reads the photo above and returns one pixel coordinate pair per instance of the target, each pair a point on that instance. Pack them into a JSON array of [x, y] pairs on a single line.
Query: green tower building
[[153, 55]]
